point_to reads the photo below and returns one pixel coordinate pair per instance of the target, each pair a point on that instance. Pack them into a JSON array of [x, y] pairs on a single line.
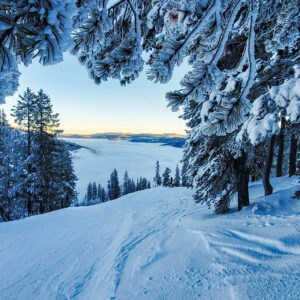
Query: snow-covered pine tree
[[24, 113], [12, 172], [102, 196], [166, 177], [45, 126], [4, 204], [212, 171], [138, 185], [114, 190], [293, 151], [38, 174], [126, 184], [157, 177], [109, 193], [4, 169], [63, 180], [184, 175], [89, 194], [177, 177], [132, 186], [65, 175], [144, 183], [94, 193], [99, 192], [280, 140]]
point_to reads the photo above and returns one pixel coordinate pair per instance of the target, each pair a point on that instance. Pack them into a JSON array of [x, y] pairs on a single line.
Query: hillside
[[156, 244], [174, 140]]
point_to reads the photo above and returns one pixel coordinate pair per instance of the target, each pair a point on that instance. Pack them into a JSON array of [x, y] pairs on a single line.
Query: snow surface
[[138, 159], [156, 244]]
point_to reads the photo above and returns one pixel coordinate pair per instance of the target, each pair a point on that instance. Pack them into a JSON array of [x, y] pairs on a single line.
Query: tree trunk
[[280, 149], [29, 204], [41, 208], [268, 165], [293, 156], [242, 180], [29, 200]]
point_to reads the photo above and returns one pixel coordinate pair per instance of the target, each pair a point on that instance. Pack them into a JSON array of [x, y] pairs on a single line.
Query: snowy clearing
[[137, 158], [156, 244]]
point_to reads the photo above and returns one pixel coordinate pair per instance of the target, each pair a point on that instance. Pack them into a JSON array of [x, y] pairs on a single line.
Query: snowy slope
[[137, 158], [156, 244]]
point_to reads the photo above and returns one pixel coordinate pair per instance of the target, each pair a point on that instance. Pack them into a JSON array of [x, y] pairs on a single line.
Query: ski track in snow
[[156, 244]]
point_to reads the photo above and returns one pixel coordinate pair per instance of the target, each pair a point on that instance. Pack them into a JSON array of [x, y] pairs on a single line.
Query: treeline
[[96, 194], [180, 177], [36, 170]]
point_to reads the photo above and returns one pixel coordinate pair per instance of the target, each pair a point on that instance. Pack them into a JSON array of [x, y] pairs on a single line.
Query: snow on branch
[[173, 49]]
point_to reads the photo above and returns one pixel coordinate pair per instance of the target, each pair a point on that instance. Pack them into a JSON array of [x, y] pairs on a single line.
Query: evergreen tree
[[157, 178], [37, 173], [132, 186], [99, 189], [280, 148], [177, 177], [267, 167], [138, 185], [12, 172], [94, 193], [89, 193], [126, 184], [114, 190], [24, 113], [102, 196], [63, 179], [184, 174], [45, 126], [4, 169], [293, 155], [144, 183], [109, 192], [166, 177]]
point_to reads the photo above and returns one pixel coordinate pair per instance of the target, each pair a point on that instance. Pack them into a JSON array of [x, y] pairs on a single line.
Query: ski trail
[[129, 245]]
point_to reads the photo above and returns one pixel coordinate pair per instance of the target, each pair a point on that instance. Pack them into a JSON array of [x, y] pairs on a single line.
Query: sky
[[87, 108]]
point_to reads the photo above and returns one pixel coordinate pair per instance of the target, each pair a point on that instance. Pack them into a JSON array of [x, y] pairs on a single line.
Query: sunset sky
[[86, 108]]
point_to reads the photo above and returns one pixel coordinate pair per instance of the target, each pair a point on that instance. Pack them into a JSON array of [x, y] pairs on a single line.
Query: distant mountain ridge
[[171, 139]]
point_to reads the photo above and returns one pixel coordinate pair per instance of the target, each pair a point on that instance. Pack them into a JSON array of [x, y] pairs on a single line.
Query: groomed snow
[[156, 244], [138, 159]]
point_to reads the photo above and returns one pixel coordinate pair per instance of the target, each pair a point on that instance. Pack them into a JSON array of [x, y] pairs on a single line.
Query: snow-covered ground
[[138, 159], [156, 244]]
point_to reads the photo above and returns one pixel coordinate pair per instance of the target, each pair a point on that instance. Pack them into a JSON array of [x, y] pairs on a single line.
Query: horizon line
[[124, 133]]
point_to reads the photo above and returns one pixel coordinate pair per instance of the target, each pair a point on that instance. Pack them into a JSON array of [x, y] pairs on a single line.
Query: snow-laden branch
[[226, 32], [251, 52], [136, 18], [212, 9], [114, 3], [173, 49]]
